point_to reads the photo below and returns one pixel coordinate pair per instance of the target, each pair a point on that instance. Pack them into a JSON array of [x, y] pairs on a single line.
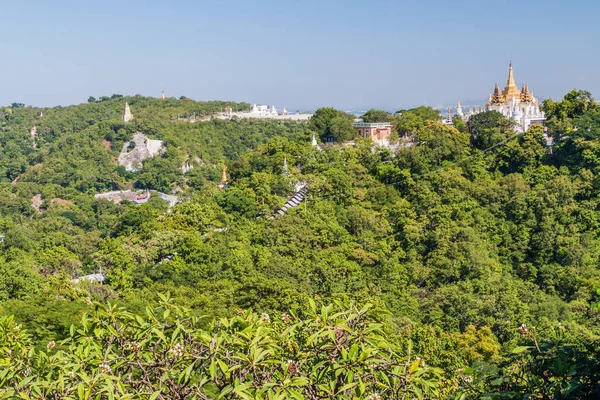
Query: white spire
[[516, 114], [127, 115], [517, 117], [285, 170]]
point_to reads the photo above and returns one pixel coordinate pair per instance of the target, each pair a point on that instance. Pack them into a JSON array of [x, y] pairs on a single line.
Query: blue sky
[[299, 54]]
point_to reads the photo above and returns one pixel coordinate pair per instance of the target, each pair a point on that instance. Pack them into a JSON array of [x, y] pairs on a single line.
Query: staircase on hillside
[[298, 197]]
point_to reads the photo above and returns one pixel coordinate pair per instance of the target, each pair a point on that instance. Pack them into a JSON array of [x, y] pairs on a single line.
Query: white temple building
[[263, 110], [518, 105]]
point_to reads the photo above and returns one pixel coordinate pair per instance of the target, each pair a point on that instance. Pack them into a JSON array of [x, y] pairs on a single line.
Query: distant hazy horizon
[[302, 55]]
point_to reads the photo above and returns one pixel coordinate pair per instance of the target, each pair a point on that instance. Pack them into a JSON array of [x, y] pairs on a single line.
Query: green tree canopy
[[489, 128], [374, 115], [331, 123]]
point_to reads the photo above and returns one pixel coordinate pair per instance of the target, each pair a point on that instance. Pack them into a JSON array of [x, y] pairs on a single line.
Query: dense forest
[[462, 264]]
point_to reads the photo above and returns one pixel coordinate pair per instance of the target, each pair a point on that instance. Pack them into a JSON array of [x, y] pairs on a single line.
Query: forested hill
[[77, 146], [460, 246]]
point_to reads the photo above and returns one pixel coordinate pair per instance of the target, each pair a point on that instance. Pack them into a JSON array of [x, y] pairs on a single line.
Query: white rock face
[[144, 148]]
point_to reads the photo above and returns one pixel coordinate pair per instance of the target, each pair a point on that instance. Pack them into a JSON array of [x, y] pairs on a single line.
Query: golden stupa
[[223, 183], [511, 90]]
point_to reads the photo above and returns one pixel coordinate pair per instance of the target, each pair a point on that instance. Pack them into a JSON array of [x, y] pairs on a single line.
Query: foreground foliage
[[331, 351]]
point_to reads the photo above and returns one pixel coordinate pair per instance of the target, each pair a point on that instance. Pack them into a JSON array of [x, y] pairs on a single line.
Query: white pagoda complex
[[263, 110], [518, 105]]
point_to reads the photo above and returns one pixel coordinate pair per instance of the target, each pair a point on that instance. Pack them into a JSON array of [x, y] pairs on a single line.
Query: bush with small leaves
[[335, 351]]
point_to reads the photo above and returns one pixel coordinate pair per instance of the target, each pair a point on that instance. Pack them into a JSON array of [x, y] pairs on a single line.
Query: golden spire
[[526, 96], [511, 78], [223, 176], [511, 89], [497, 98], [458, 104]]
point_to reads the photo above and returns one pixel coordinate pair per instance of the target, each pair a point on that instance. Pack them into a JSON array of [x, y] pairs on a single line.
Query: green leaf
[[300, 381], [224, 368], [212, 369], [521, 349], [295, 394], [154, 395], [347, 387], [413, 366], [81, 392]]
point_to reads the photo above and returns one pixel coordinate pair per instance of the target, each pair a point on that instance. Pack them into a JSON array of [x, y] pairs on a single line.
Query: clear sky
[[301, 54]]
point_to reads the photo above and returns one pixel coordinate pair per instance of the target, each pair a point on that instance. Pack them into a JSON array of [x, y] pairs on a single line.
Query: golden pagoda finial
[[511, 89]]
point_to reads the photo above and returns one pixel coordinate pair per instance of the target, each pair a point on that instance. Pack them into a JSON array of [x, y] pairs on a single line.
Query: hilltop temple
[[518, 105], [263, 110]]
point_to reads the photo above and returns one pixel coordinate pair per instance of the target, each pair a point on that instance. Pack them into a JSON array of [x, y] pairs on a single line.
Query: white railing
[[372, 125]]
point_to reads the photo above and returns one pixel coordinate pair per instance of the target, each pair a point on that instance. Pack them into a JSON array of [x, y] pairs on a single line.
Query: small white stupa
[[127, 115], [285, 170]]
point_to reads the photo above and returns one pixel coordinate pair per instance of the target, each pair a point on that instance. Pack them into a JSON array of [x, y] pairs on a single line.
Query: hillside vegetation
[[453, 268]]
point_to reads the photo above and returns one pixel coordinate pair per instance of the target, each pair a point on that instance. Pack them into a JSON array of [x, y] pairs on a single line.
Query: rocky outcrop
[[36, 202], [143, 148]]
